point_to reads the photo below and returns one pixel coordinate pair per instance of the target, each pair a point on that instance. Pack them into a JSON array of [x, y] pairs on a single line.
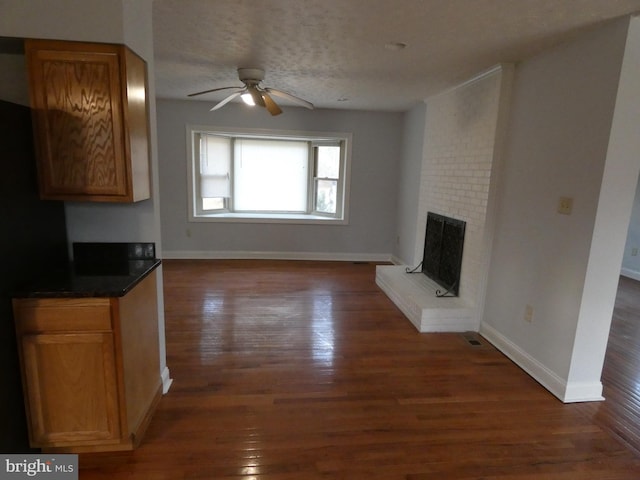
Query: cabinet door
[[77, 101], [71, 388]]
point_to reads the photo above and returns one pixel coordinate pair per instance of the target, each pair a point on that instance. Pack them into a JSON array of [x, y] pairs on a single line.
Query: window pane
[[328, 161], [326, 191], [270, 175]]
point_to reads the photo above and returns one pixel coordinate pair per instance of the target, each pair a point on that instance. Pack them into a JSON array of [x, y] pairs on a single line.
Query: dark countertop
[[74, 282]]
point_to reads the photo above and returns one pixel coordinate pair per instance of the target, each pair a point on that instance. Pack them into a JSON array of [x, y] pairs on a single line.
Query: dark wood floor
[[306, 370], [620, 413]]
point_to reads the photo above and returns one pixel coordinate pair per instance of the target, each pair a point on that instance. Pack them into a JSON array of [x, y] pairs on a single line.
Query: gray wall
[[409, 183], [371, 231]]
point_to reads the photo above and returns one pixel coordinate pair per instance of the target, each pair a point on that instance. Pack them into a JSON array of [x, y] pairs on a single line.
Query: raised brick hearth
[[415, 295]]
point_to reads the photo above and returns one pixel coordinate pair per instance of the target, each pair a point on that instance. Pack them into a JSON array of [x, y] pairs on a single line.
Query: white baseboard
[[566, 392], [583, 392], [396, 261], [247, 255], [632, 274], [166, 380]]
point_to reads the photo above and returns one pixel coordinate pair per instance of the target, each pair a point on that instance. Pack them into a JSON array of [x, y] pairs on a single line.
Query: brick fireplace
[[459, 164]]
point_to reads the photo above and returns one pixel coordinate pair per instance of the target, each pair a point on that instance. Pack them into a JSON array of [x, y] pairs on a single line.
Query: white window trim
[[233, 217]]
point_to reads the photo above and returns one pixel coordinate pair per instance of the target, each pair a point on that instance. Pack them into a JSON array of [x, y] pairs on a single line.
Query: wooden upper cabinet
[[90, 119]]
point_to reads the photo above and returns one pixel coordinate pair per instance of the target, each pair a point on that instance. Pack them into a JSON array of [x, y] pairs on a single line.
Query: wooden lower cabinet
[[90, 369], [72, 388]]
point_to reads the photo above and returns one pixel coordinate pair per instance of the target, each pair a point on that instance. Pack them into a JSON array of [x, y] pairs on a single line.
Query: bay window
[[245, 175]]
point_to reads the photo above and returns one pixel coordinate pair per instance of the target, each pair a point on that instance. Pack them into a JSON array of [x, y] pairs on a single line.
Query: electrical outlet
[[634, 252], [528, 313], [188, 232]]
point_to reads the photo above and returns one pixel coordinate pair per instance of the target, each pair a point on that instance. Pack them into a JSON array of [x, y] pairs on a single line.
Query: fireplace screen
[[442, 258]]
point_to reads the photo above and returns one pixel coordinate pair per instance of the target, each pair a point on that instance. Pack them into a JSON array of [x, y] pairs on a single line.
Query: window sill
[[285, 218]]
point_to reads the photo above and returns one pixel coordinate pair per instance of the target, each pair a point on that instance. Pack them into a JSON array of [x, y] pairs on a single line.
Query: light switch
[[565, 205]]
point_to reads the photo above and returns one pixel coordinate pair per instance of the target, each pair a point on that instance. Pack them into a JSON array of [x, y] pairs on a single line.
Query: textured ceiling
[[334, 53]]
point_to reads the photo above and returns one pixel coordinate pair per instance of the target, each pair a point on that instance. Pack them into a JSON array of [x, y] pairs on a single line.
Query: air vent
[[472, 339]]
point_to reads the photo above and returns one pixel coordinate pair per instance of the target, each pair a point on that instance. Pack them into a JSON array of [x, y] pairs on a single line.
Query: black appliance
[[33, 242]]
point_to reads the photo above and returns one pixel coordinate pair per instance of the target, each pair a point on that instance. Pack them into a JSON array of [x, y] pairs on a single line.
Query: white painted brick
[[456, 171]]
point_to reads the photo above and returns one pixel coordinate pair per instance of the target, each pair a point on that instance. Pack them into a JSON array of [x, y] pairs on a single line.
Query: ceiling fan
[[254, 94]]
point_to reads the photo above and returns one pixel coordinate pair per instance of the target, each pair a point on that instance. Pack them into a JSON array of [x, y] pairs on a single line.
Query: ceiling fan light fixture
[[248, 99], [254, 94]]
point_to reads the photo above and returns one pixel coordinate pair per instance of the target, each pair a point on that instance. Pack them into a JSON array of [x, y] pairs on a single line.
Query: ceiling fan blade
[[256, 95], [288, 96], [212, 90], [227, 100], [270, 105]]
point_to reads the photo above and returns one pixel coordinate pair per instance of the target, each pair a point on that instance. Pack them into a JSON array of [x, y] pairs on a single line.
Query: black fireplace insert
[[442, 259]]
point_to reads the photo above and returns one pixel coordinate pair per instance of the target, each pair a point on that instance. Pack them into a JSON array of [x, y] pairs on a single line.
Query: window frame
[[197, 214]]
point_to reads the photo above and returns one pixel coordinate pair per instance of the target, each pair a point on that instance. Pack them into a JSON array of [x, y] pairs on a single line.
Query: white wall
[[370, 234], [409, 183], [90, 20], [614, 211], [631, 262], [116, 21], [558, 139]]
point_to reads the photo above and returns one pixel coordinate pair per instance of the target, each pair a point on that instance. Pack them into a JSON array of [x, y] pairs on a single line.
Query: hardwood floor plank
[[306, 370], [620, 413]]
